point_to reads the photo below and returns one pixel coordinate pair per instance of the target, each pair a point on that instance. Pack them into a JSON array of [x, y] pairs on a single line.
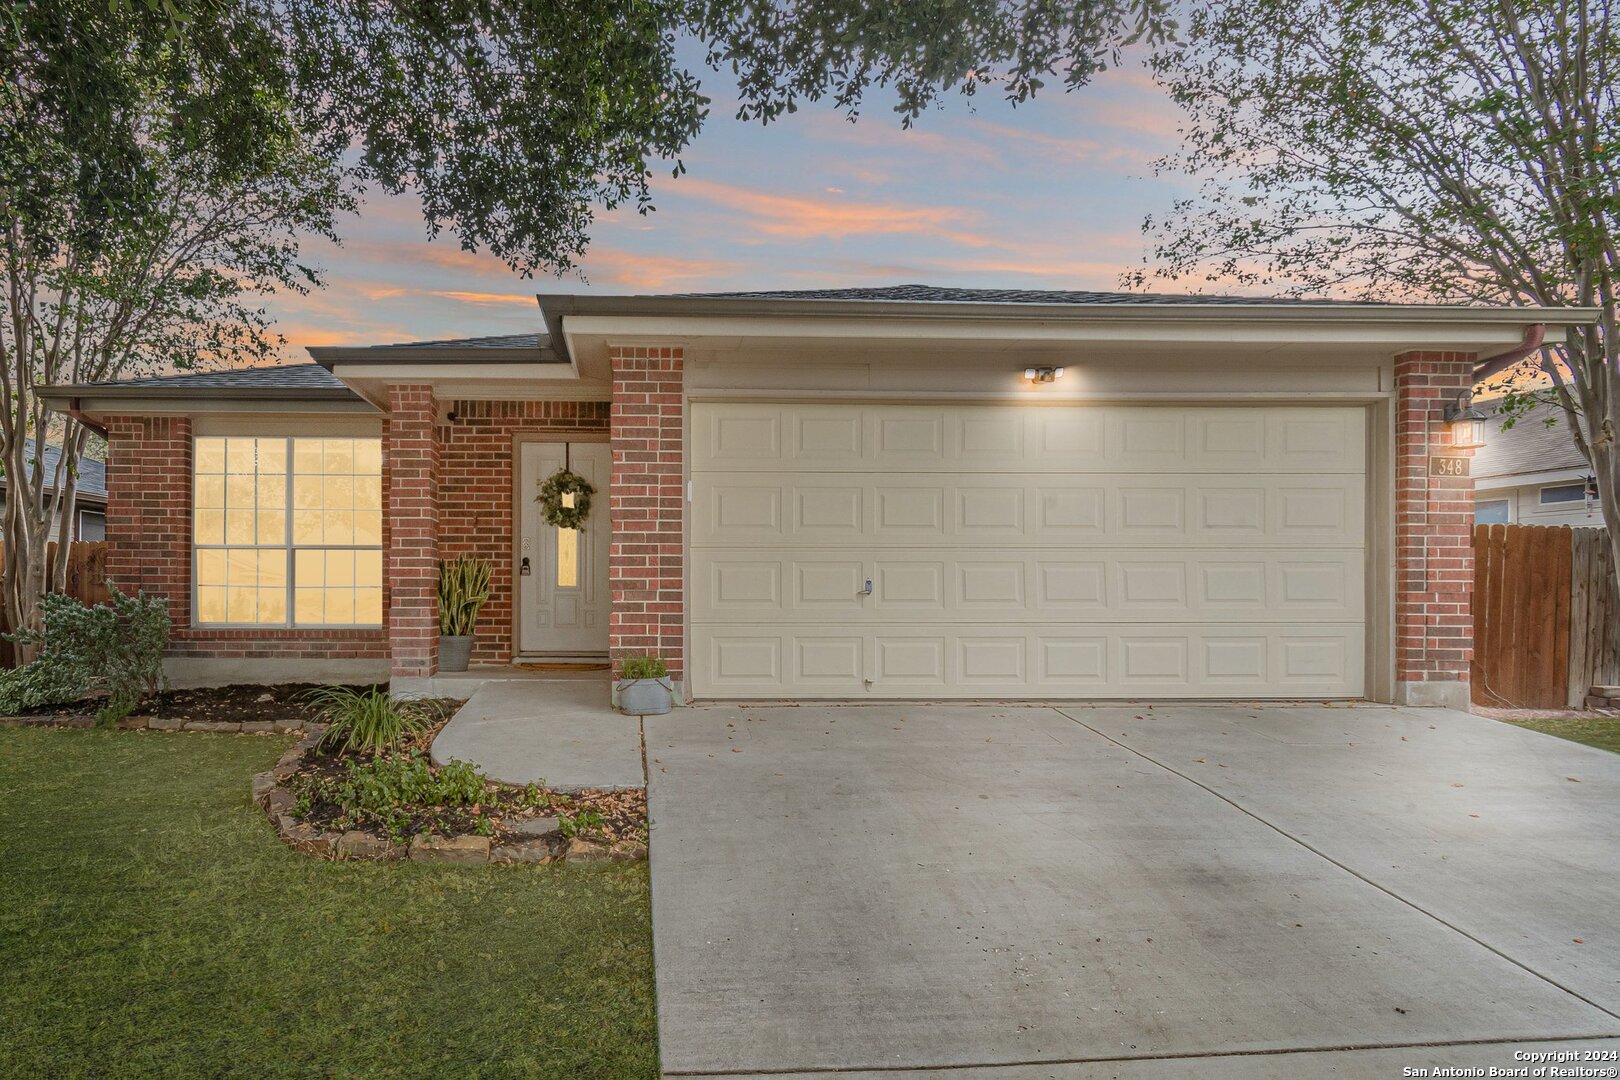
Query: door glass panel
[[567, 558], [567, 551]]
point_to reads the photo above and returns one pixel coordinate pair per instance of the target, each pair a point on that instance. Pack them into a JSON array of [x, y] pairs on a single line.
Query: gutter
[[73, 411], [1535, 336], [555, 307]]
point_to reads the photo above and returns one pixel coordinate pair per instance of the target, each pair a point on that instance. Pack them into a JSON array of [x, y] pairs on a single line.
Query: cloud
[[808, 217], [482, 298], [651, 270]]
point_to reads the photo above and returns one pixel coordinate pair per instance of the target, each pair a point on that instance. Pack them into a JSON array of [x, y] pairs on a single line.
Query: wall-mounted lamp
[[1042, 374], [1466, 422]]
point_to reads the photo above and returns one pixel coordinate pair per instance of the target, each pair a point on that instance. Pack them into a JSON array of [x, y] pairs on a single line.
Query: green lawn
[[151, 924], [1602, 732]]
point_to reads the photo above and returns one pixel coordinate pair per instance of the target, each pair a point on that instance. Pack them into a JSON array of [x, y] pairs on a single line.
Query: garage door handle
[[867, 591]]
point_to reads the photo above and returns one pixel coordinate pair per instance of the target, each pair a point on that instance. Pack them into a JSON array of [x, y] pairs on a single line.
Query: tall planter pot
[[646, 697], [454, 652]]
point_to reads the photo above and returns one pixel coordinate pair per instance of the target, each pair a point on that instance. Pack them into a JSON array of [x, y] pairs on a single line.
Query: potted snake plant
[[644, 686], [463, 588]]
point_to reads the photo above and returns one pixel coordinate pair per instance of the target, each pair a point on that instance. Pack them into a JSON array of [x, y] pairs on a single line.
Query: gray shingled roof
[[305, 376], [501, 341], [944, 295], [1529, 446], [92, 473]]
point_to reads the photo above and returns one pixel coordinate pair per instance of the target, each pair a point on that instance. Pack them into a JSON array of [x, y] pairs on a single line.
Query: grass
[[151, 924], [1602, 732]]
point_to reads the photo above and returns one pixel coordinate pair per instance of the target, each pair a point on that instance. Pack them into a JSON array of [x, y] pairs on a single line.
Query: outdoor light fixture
[[1467, 423], [1042, 374]]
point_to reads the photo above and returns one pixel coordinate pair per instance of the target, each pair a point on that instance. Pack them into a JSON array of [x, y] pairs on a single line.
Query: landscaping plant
[[632, 668], [114, 648], [463, 589], [364, 720]]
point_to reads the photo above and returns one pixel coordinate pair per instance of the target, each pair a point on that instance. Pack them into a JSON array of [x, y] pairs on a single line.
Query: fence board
[[86, 581], [1546, 615]]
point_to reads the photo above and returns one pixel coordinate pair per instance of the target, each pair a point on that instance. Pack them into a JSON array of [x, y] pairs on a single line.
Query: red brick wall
[[149, 547], [646, 562], [1434, 522], [412, 451], [476, 512]]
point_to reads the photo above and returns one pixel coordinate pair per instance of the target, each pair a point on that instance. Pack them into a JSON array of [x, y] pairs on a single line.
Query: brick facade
[[476, 508], [149, 549], [412, 497], [1434, 523], [646, 563]]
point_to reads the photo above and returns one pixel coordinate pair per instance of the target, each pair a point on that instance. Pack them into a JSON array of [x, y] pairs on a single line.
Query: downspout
[[73, 411], [1535, 335]]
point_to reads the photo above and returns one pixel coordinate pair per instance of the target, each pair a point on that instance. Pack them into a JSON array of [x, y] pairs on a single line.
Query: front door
[[562, 574]]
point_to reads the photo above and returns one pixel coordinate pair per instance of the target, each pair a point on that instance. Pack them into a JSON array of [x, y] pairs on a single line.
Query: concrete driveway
[[1019, 892]]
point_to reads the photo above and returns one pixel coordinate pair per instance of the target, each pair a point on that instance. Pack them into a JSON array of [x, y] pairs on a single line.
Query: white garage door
[[975, 551]]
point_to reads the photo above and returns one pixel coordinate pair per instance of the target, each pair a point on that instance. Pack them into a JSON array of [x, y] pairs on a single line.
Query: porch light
[[1042, 374], [1466, 422]]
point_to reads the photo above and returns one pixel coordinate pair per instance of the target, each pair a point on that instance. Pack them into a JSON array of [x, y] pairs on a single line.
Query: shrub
[[463, 588], [364, 719], [114, 648], [643, 667]]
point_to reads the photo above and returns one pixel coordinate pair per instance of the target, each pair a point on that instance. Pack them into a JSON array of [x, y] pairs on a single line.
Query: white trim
[[1436, 328]]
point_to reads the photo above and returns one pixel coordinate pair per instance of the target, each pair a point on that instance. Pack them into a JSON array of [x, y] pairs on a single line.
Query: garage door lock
[[866, 590]]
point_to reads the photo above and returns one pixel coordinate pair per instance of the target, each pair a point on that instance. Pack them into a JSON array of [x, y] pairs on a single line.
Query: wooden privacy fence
[[1546, 608], [86, 581]]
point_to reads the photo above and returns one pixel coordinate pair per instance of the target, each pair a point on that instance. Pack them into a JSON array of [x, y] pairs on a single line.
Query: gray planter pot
[[454, 652], [646, 697]]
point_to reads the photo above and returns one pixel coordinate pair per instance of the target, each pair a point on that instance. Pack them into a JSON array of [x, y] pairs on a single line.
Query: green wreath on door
[[554, 504]]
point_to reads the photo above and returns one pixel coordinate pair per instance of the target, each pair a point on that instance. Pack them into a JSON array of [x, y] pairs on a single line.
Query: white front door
[[562, 574]]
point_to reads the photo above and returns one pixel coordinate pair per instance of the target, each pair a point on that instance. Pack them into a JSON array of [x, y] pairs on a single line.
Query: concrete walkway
[[539, 729], [1012, 893]]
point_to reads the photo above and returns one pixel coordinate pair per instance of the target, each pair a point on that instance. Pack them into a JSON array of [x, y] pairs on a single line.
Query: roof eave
[[554, 307], [329, 355]]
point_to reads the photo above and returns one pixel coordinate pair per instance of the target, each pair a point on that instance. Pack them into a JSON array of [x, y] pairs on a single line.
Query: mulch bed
[[623, 812], [241, 703]]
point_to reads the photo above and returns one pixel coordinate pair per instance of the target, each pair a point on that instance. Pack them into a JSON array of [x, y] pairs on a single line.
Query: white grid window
[[257, 564]]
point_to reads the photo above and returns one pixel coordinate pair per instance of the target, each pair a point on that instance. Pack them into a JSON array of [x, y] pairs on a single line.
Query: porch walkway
[[555, 728]]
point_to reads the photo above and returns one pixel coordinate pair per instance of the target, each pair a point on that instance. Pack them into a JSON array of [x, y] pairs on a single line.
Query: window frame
[[287, 547], [1578, 486], [1507, 511]]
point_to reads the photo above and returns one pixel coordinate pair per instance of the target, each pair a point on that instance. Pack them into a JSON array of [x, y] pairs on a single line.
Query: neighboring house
[[90, 515], [838, 494], [1533, 474]]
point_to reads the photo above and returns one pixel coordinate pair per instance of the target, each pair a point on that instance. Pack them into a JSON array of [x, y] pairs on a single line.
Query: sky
[[1051, 194]]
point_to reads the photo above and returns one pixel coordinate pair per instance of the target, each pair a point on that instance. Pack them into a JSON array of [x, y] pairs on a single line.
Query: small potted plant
[[463, 588], [644, 686]]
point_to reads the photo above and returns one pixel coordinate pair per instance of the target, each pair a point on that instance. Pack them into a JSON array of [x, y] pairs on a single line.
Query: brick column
[[1434, 525], [149, 509], [647, 504], [412, 465]]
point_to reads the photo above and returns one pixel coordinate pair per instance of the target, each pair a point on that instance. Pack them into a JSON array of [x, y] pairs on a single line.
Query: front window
[[288, 532], [1491, 512], [1563, 493]]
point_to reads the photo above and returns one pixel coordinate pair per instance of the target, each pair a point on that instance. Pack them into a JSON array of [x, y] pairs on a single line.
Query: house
[[90, 513], [906, 492], [1533, 474]]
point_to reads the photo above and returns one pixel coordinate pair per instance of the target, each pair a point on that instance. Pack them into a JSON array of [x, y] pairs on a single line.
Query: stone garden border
[[546, 844]]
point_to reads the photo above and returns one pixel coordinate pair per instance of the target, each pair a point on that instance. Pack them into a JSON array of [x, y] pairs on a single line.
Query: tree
[[1450, 150], [161, 159]]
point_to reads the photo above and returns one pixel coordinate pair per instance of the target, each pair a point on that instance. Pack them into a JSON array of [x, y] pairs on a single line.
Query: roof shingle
[[945, 295], [1531, 445]]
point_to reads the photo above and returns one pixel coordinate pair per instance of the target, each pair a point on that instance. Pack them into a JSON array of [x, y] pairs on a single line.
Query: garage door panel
[[1211, 439], [1005, 551], [988, 660], [1120, 584], [908, 509]]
